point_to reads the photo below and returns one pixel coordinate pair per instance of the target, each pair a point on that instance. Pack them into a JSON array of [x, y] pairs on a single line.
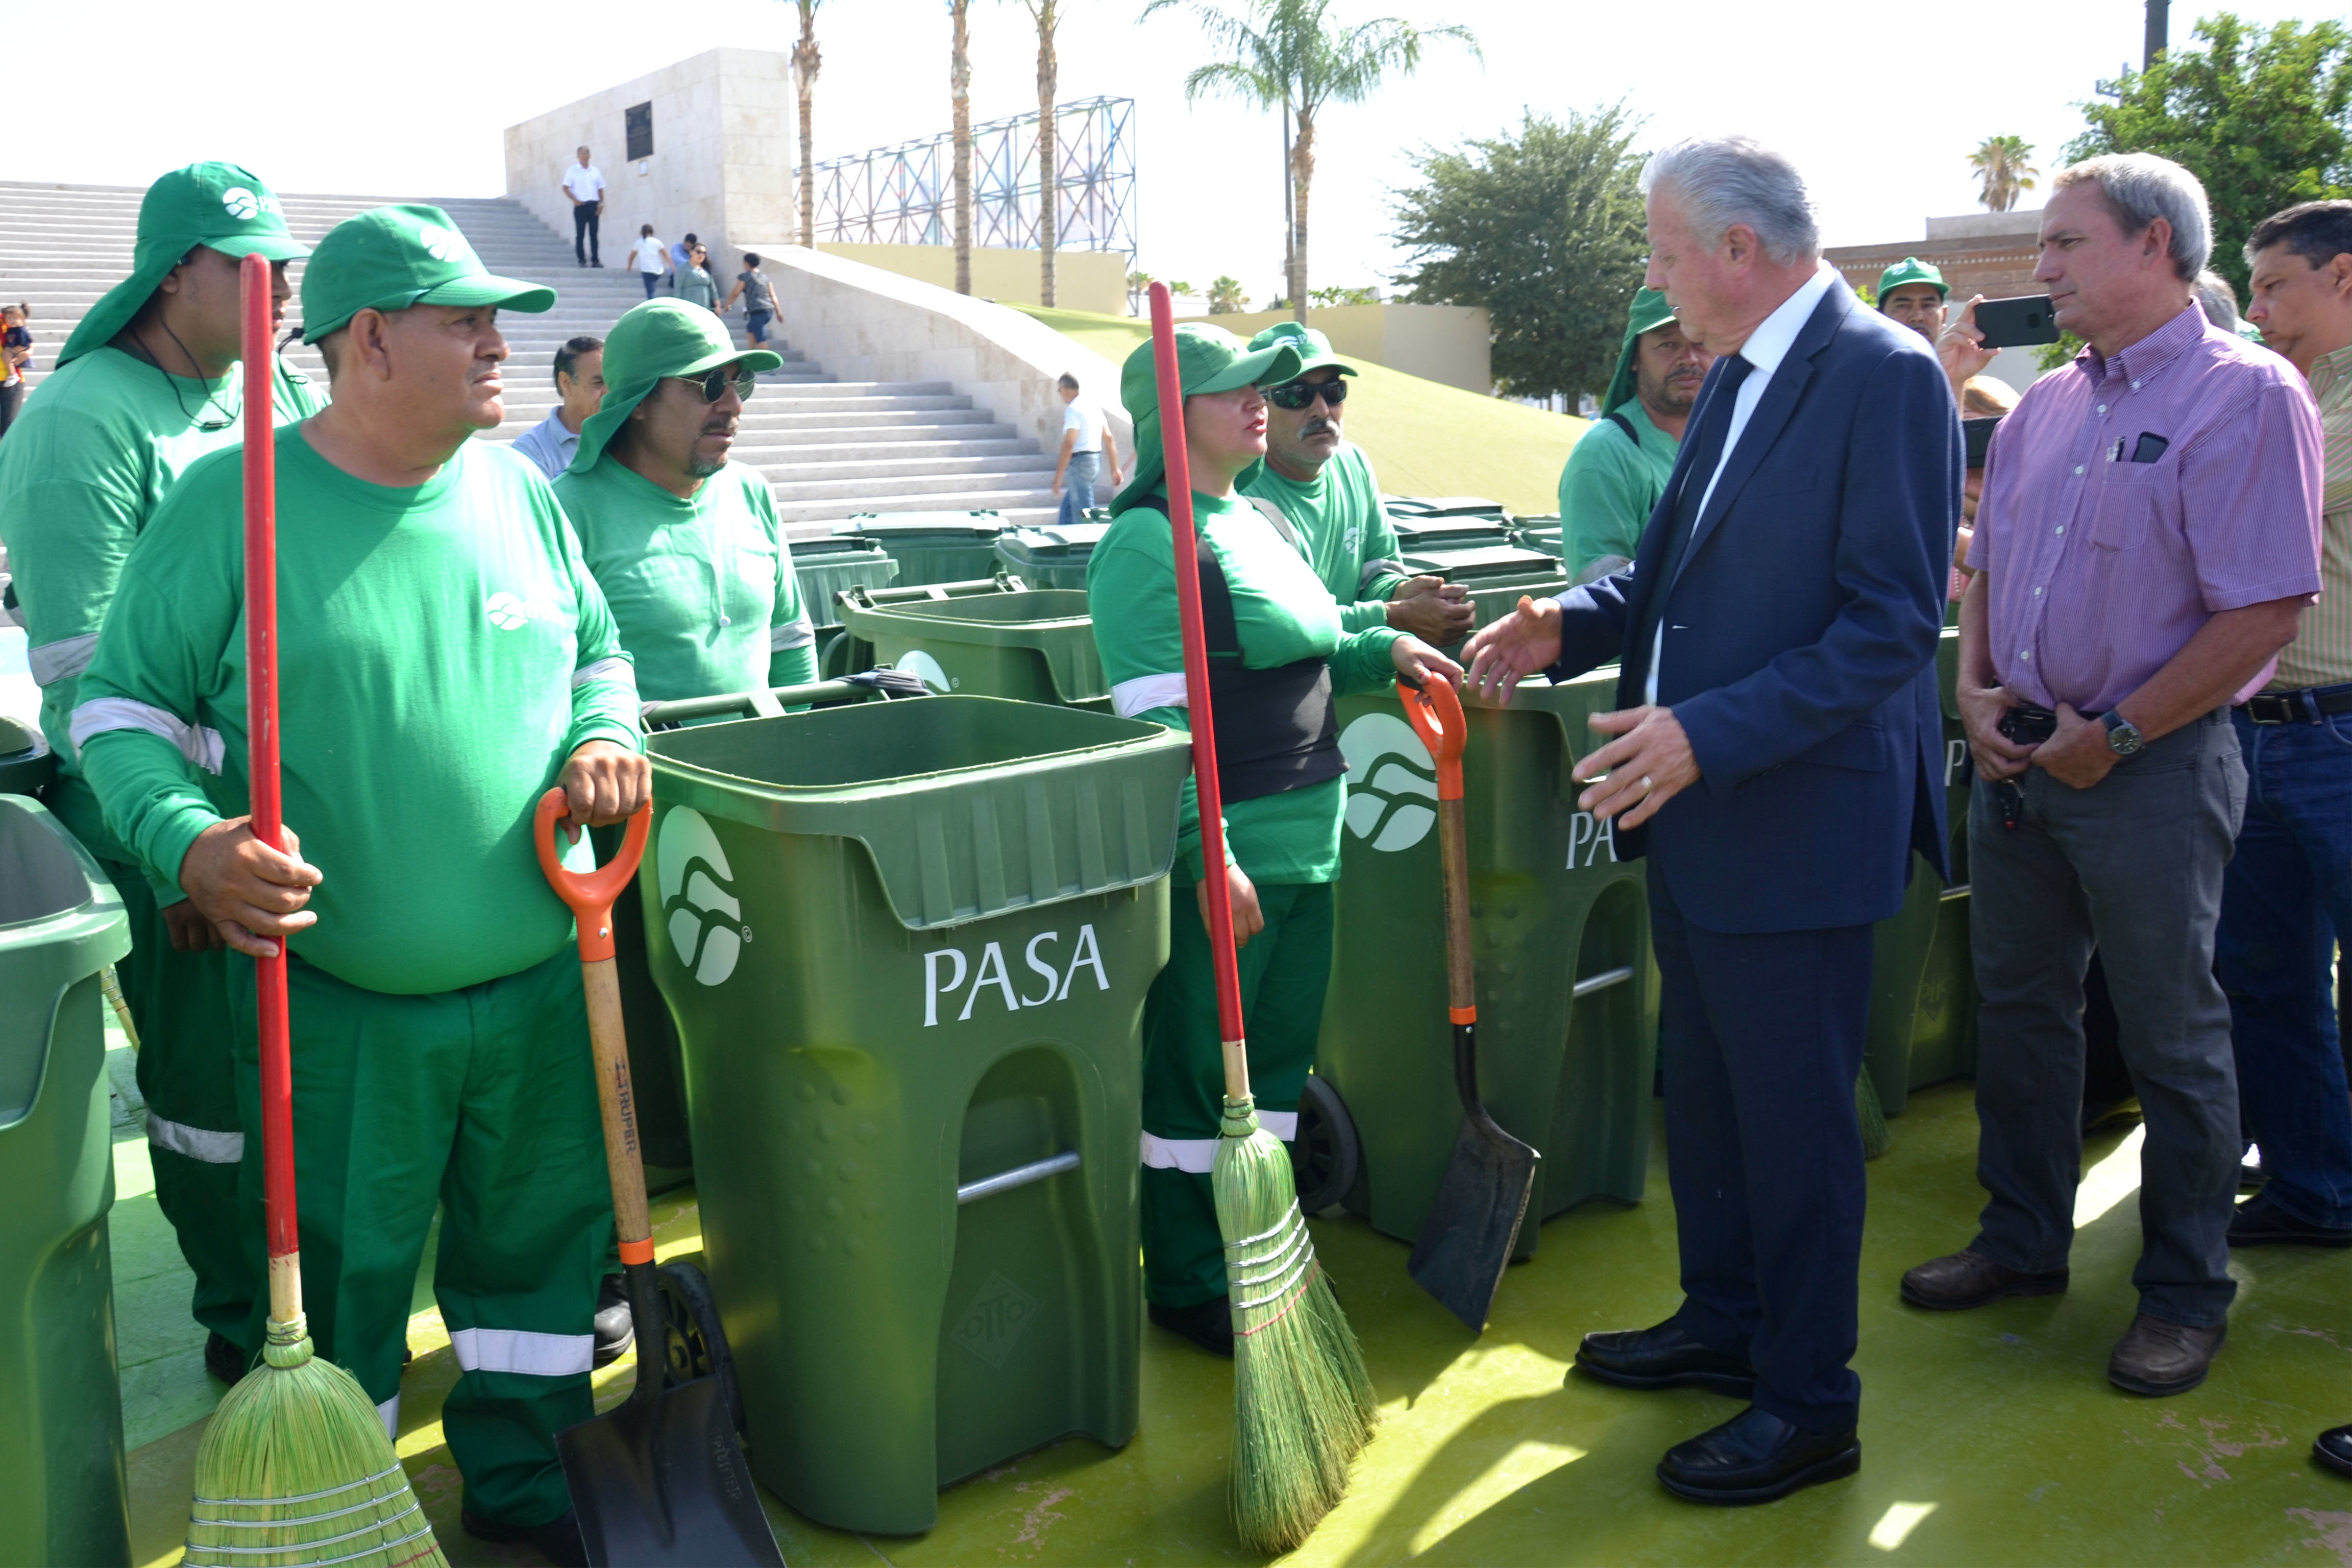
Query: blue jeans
[[652, 282], [2285, 898], [1078, 487]]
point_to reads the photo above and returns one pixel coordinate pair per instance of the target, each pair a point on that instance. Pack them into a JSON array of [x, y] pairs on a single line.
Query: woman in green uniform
[[1277, 656]]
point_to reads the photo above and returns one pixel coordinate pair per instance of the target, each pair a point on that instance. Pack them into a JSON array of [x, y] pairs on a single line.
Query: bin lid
[[19, 740], [1487, 563], [1433, 533], [1053, 541], [908, 525], [835, 544], [969, 807], [1053, 621], [60, 921]]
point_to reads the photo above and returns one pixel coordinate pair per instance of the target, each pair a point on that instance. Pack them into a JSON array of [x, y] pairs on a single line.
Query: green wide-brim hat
[[389, 259], [659, 337], [1314, 348], [1650, 311], [218, 206], [1911, 269], [1208, 359]]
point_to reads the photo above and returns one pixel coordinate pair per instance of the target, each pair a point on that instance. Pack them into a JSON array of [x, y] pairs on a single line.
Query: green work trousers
[[180, 1003], [484, 1101], [1285, 969]]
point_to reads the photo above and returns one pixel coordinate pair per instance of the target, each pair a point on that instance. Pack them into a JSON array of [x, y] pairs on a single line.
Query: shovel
[[659, 1479], [1465, 1243]]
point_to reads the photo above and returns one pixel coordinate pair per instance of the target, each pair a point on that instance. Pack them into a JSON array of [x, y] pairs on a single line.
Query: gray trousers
[[2132, 866]]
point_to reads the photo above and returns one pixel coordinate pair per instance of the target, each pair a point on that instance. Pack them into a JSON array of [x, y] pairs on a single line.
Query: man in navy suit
[[1776, 754]]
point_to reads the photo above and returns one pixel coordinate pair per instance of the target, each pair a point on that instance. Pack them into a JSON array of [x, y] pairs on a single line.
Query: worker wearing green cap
[[1324, 483], [146, 384], [447, 657], [1913, 292], [1618, 468], [1278, 655]]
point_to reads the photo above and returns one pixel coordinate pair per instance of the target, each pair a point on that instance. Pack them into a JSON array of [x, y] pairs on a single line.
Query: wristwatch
[[2122, 736]]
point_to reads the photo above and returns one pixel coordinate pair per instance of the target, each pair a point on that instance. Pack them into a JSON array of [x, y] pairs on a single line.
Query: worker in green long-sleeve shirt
[[1324, 483], [148, 383], [446, 658], [1278, 655]]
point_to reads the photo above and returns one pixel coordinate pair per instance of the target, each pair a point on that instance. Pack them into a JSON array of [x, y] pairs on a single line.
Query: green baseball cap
[[1314, 348], [1208, 359], [1911, 269], [218, 206], [389, 259], [657, 339], [1649, 312]]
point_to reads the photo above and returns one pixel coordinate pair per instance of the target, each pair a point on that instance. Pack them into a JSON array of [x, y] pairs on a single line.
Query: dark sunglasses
[[713, 383], [1297, 395]]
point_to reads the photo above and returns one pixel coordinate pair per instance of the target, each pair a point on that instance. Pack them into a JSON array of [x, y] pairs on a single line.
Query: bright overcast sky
[[1878, 107]]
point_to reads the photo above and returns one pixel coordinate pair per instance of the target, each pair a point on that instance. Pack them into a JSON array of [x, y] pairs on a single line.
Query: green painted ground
[[1425, 438], [1989, 1438]]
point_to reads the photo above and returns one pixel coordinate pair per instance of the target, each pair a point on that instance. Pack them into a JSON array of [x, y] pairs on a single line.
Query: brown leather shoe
[[2157, 1358], [1969, 1278]]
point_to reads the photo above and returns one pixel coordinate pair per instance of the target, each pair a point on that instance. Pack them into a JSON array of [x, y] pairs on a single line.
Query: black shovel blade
[[1465, 1243], [661, 1483]]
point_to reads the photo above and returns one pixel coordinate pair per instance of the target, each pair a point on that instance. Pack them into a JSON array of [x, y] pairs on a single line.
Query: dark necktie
[[1707, 455]]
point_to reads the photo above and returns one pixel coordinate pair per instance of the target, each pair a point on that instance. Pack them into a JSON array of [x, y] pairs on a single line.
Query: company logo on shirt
[[508, 612], [924, 665], [245, 205], [441, 244], [699, 906], [1389, 775]]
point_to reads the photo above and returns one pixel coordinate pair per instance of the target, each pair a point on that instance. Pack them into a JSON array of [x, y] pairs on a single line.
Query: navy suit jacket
[[1801, 627]]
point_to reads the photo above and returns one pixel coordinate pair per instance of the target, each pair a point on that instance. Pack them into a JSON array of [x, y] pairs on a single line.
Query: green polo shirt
[[1608, 488]]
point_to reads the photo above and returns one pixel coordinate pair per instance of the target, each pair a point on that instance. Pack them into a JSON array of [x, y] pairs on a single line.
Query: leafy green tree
[[1327, 297], [1225, 297], [1543, 227], [2004, 166], [2261, 117]]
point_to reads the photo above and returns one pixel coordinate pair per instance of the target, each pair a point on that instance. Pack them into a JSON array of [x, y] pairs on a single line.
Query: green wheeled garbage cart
[[1036, 644], [1539, 531], [1567, 993], [907, 944], [27, 765], [62, 1497], [931, 546], [826, 566], [1053, 556]]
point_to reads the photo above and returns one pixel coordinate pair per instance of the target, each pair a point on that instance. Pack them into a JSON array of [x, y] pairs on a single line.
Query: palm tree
[[1293, 53], [1047, 15], [2003, 171], [960, 84], [1225, 297], [806, 61]]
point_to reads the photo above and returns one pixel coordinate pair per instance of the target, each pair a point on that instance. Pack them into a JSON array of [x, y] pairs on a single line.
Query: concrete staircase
[[828, 449]]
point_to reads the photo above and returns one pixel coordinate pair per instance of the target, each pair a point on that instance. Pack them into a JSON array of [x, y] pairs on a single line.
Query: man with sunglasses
[[1324, 484], [147, 384], [447, 658]]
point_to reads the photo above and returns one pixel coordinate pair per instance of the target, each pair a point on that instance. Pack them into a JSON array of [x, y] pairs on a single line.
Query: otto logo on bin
[[1389, 776], [699, 906], [945, 969]]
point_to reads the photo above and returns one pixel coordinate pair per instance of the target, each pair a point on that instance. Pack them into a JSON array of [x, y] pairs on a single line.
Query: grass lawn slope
[[1425, 438]]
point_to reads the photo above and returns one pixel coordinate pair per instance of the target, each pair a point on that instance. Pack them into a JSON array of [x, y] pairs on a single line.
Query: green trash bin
[[1540, 532], [906, 943], [1496, 573], [27, 763], [1922, 986], [931, 546], [1053, 556], [1568, 993], [62, 1495], [1004, 639], [826, 566]]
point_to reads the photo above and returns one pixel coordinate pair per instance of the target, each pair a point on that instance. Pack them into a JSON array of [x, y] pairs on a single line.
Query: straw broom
[[1303, 1405], [296, 1468]]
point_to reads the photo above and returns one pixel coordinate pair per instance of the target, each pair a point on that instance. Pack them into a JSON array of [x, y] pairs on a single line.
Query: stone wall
[[1083, 279], [1452, 344]]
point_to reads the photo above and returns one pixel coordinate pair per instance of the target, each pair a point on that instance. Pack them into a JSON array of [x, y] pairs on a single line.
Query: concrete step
[[1037, 505], [907, 480], [757, 448]]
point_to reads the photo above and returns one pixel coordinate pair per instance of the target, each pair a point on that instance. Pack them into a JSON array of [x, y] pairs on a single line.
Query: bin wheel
[[694, 1344], [1325, 1156]]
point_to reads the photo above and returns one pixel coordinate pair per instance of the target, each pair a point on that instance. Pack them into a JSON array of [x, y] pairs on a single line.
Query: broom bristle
[[1875, 1137], [1303, 1405], [295, 1469]]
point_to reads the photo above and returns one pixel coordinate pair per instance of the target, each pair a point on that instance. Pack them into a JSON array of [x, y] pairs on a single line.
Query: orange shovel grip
[[589, 894], [1434, 711]]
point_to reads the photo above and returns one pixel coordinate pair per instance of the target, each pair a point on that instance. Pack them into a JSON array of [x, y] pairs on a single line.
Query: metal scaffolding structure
[[906, 195]]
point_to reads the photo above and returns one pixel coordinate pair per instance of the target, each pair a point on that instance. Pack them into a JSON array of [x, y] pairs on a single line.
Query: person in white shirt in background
[[580, 382], [1086, 449], [650, 256], [585, 183]]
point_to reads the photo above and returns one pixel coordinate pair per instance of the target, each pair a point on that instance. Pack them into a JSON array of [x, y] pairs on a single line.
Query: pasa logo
[[242, 204], [944, 970], [508, 612], [921, 664], [1389, 774], [439, 243], [699, 906]]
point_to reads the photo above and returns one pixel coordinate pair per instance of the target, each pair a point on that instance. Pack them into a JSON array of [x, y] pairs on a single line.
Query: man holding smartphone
[[2148, 537]]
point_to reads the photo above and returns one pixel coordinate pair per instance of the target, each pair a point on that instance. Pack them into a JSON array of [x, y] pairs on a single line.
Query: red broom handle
[[261, 767], [1196, 691]]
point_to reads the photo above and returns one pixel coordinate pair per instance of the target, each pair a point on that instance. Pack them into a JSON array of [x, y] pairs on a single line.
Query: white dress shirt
[[1765, 347], [584, 181]]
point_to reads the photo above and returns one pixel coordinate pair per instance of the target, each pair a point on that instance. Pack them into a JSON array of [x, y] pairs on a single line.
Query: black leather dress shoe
[[1756, 1456], [1662, 1357], [223, 1359], [2333, 1448], [2261, 1221], [558, 1540], [1208, 1324], [615, 1330]]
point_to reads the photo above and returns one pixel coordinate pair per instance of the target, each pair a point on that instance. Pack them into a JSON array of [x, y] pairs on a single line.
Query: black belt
[[2305, 707]]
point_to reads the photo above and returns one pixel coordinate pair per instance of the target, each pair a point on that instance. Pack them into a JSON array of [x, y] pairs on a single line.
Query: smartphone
[[1979, 432], [2016, 322]]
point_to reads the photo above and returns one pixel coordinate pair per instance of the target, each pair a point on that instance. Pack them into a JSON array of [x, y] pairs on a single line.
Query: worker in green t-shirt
[[147, 384], [1618, 468], [1324, 483], [447, 657], [1278, 655]]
